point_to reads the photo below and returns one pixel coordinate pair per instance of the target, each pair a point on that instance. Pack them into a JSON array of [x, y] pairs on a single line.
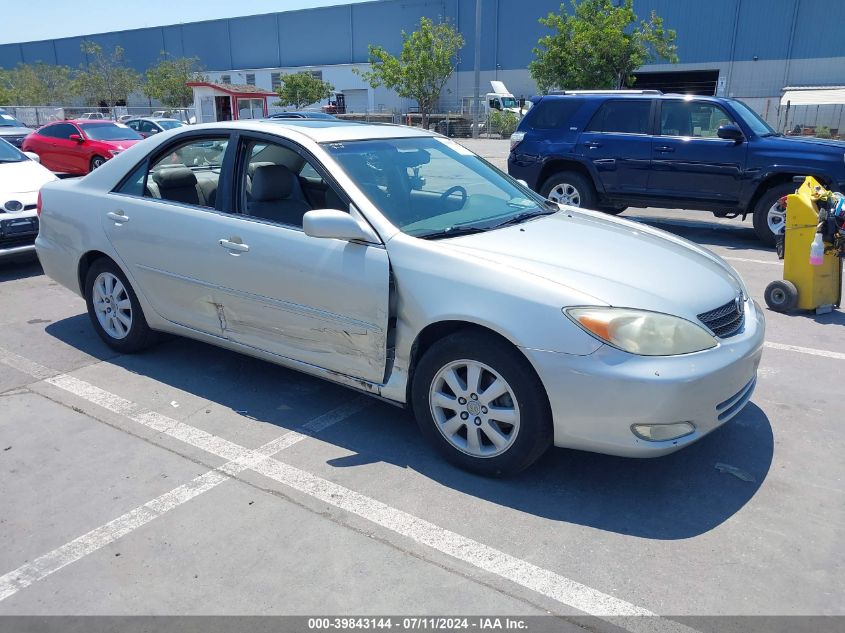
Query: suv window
[[553, 113], [59, 130], [697, 119], [624, 116]]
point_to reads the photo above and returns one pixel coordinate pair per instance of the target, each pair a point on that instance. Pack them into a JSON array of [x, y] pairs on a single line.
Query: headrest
[[175, 177], [272, 182]]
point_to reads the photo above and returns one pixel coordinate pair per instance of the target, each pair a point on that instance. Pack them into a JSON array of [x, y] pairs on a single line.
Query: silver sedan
[[398, 263]]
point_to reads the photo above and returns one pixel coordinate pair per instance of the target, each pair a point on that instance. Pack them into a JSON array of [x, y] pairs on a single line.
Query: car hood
[[810, 142], [22, 180], [14, 131], [620, 263], [119, 144]]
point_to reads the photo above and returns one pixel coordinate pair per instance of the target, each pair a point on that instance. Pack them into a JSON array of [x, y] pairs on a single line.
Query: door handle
[[664, 149], [235, 247], [592, 144], [118, 216]]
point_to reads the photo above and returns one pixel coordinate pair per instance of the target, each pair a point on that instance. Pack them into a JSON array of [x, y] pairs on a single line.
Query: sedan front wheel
[[481, 404]]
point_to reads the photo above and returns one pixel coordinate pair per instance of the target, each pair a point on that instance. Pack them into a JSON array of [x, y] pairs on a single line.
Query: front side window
[[695, 119], [188, 173], [623, 116], [431, 187], [149, 127], [109, 132]]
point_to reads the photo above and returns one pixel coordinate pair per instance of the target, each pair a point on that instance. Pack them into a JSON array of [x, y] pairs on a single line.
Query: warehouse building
[[750, 49]]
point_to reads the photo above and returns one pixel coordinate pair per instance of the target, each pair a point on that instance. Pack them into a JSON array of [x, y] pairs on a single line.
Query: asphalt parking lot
[[192, 480]]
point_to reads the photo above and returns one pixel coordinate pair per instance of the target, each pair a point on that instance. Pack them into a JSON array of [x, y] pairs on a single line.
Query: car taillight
[[516, 139], [38, 205]]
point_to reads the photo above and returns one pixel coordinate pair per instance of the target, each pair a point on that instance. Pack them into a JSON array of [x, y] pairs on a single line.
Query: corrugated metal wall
[[793, 41]]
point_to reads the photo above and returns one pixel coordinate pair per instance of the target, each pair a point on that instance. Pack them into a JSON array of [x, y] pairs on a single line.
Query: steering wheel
[[456, 189]]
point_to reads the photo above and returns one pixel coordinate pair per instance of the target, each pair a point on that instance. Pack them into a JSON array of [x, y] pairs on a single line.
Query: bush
[[823, 132], [503, 122]]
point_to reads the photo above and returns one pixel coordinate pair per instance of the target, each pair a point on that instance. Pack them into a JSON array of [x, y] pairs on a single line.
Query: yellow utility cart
[[806, 286]]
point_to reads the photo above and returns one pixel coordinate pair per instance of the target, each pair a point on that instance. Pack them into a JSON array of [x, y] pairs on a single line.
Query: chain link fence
[[36, 116]]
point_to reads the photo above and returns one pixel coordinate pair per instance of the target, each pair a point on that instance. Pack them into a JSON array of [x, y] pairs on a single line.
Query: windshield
[[427, 186], [509, 102], [169, 124], [7, 120], [752, 119], [109, 132], [10, 154]]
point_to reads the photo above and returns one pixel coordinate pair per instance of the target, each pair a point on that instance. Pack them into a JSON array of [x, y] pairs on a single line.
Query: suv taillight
[[38, 205], [516, 139]]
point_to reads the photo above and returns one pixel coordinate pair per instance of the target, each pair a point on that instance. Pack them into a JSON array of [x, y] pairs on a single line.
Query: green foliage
[[823, 132], [37, 84], [302, 89], [166, 81], [503, 122], [105, 79], [427, 60], [598, 46]]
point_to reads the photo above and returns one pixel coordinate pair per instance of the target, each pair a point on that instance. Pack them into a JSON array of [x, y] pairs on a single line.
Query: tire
[[570, 187], [762, 225], [123, 337], [525, 424], [781, 295], [96, 162]]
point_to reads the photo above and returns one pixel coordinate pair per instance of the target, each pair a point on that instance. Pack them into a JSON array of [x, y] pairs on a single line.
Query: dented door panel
[[318, 301]]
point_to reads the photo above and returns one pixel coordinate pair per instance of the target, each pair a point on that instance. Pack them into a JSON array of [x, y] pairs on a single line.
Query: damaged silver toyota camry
[[396, 262]]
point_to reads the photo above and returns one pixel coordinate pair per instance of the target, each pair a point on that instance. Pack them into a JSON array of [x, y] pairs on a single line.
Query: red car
[[79, 146]]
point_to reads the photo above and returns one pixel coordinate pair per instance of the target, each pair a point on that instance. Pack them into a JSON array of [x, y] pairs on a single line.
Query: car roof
[[153, 118], [610, 94], [322, 130]]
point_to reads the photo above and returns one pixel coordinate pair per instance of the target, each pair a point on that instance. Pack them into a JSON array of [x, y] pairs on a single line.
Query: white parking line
[[777, 262], [543, 581], [805, 350]]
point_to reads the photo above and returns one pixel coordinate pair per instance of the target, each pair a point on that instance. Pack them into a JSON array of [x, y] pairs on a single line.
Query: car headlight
[[641, 332]]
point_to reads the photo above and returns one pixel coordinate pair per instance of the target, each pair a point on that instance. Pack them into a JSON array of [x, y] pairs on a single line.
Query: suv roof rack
[[605, 92]]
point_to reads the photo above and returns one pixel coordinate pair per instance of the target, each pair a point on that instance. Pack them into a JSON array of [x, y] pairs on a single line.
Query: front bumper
[[17, 233], [595, 399]]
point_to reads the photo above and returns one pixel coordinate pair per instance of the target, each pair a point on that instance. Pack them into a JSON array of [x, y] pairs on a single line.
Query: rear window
[[553, 113], [629, 116]]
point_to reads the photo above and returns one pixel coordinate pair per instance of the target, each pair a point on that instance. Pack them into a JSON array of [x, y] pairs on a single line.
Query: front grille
[[726, 320], [14, 242]]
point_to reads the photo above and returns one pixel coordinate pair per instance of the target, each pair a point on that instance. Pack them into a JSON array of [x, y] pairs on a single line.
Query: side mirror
[[77, 138], [339, 225], [33, 156], [153, 131], [730, 132]]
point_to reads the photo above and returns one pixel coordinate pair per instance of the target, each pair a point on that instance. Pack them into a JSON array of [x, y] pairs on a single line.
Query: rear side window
[[59, 130], [554, 113], [629, 116]]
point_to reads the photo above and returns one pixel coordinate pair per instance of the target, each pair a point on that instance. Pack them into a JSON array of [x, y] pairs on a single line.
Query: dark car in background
[[617, 149], [11, 130]]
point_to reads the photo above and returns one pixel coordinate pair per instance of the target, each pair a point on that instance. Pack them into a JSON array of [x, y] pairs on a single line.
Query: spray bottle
[[817, 251]]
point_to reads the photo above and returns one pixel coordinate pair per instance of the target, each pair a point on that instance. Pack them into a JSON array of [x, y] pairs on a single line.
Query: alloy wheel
[[776, 218], [565, 193], [112, 305], [474, 408]]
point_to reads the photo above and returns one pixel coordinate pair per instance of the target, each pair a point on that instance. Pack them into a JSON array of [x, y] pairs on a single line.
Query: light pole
[[477, 99]]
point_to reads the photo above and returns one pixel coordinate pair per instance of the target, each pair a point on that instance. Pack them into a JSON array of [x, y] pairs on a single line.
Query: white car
[[21, 177], [396, 262]]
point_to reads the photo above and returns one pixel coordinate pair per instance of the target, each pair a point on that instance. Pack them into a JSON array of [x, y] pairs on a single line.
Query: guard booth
[[229, 102]]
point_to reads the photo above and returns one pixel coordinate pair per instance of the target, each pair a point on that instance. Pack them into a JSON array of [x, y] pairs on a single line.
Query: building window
[[317, 74], [250, 79], [276, 81], [225, 79]]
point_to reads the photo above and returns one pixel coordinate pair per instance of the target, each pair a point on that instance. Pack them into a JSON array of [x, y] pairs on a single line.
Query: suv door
[[616, 143], [689, 161]]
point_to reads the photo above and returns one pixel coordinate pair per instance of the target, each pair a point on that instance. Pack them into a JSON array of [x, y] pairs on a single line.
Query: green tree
[[302, 89], [166, 81], [5, 88], [105, 79], [40, 84], [428, 58], [598, 46]]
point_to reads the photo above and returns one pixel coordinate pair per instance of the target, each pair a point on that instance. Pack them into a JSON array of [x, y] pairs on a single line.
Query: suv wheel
[[569, 187], [769, 216]]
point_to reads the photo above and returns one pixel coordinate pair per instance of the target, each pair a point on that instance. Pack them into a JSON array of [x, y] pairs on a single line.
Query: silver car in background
[[397, 262]]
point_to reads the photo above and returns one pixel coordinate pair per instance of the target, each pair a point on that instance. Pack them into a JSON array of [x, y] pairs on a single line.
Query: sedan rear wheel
[[478, 400], [114, 309]]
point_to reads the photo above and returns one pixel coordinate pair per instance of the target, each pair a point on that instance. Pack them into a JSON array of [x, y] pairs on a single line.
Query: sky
[[25, 21]]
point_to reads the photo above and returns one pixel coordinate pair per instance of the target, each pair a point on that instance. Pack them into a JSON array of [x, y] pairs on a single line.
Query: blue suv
[[618, 149]]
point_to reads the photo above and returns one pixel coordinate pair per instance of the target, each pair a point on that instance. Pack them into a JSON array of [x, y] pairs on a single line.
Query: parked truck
[[499, 100]]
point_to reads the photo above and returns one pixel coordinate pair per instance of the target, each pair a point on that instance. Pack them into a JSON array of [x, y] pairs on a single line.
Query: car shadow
[[738, 237], [673, 497], [20, 267]]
